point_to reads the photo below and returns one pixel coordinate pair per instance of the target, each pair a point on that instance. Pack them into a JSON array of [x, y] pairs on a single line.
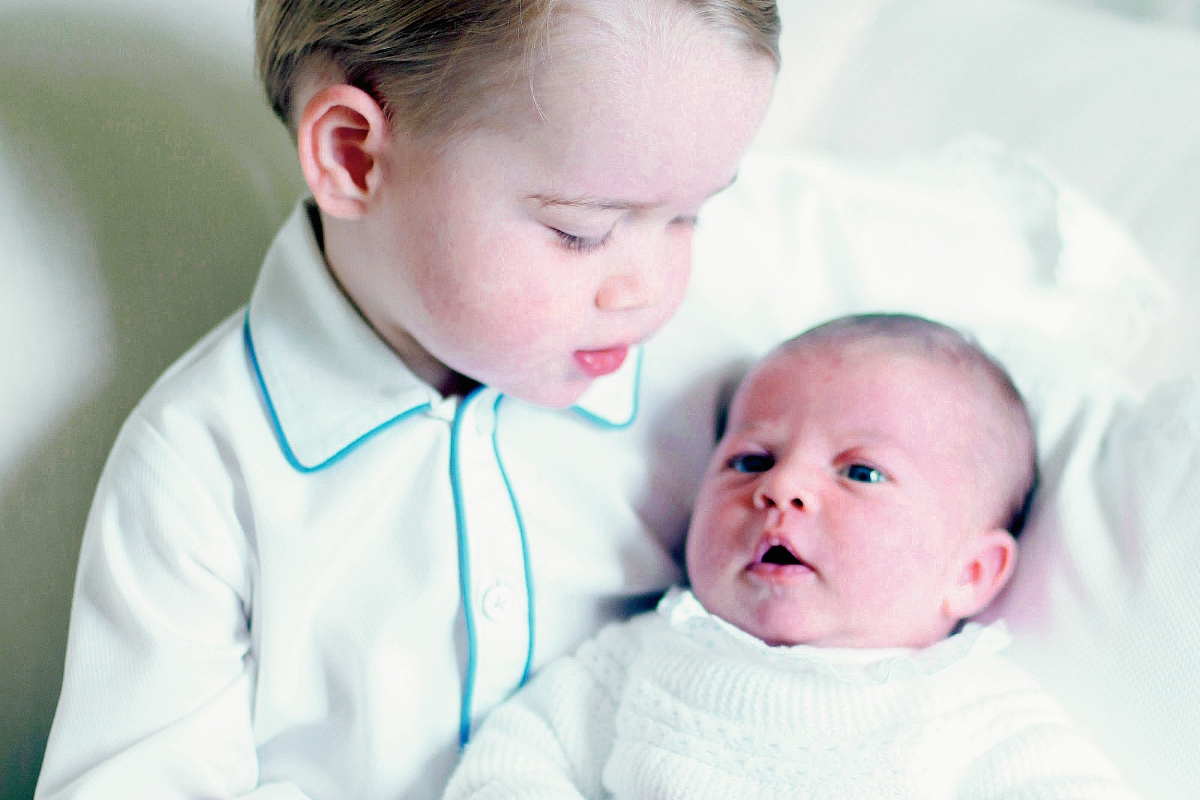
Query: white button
[[499, 602]]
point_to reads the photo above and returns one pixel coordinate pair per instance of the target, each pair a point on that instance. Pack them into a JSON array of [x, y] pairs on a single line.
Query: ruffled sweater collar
[[691, 620]]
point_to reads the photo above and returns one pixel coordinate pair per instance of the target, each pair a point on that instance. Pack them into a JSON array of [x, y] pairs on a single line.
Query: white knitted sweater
[[679, 704]]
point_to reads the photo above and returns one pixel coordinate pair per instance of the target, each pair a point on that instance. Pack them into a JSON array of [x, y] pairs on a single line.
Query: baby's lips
[[775, 554], [597, 363]]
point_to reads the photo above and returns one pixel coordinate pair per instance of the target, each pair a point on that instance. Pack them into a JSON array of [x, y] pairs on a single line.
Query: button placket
[[496, 559]]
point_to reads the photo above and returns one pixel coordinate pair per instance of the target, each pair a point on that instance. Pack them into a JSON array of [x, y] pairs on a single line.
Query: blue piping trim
[[464, 574], [637, 394], [512, 498], [288, 453]]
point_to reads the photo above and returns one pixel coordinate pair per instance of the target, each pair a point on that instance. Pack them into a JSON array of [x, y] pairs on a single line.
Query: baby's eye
[[863, 474], [751, 462], [580, 244]]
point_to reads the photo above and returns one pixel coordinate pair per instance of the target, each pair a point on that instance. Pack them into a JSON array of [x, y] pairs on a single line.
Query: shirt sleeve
[[159, 675], [553, 738]]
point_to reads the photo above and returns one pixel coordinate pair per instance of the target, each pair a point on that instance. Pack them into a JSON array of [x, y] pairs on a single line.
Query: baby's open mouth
[[778, 554], [777, 564]]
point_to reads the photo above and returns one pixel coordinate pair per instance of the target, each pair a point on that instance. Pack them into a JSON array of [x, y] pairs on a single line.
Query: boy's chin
[[550, 394]]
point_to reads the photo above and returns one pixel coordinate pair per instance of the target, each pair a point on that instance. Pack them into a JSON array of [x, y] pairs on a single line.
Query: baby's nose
[[785, 487], [765, 498]]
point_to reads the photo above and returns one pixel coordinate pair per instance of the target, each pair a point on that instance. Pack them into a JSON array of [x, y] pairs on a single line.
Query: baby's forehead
[[799, 359], [941, 346], [916, 368], [942, 354]]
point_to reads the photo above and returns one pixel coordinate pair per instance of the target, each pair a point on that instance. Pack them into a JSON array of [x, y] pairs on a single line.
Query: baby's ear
[[341, 138], [984, 566]]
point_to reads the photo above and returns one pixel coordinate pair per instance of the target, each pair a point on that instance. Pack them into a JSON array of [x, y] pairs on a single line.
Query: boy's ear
[[341, 138], [984, 567]]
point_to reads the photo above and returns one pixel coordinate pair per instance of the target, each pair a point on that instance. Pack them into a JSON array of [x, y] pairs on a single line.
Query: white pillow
[[975, 235], [1111, 104], [1105, 604]]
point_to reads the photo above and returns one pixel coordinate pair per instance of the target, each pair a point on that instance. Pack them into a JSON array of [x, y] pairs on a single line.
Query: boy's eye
[[580, 244], [863, 474], [752, 462]]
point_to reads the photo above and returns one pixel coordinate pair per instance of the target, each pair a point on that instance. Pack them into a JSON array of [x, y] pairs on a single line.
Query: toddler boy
[[364, 509]]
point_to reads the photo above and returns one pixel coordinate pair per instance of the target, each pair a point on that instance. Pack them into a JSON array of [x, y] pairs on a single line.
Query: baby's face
[[532, 254], [839, 500]]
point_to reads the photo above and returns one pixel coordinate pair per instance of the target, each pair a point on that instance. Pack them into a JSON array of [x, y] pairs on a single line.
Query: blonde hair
[[430, 63]]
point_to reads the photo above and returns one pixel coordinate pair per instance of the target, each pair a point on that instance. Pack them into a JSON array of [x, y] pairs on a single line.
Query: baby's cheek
[[707, 565]]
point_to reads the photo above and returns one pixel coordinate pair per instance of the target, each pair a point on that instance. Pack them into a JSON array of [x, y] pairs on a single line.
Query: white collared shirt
[[272, 580]]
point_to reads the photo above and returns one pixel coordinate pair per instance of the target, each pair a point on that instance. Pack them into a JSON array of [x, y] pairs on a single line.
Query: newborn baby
[[863, 502]]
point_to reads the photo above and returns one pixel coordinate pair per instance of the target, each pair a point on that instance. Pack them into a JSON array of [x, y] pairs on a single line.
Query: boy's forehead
[[611, 130], [615, 46]]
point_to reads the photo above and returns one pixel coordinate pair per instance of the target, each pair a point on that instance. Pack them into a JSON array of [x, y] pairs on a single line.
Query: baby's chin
[[788, 627], [771, 626], [861, 640]]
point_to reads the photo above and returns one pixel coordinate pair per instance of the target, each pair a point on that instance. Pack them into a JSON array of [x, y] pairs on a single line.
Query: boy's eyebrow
[[594, 203], [603, 203]]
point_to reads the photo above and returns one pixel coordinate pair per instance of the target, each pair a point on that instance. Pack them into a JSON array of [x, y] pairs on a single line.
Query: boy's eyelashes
[[587, 244], [581, 244]]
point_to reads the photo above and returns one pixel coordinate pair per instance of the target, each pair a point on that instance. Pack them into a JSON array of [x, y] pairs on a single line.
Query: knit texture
[[676, 704]]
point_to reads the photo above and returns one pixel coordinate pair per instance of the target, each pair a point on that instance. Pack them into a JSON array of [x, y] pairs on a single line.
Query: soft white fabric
[[678, 704], [976, 235], [1105, 603], [1107, 103]]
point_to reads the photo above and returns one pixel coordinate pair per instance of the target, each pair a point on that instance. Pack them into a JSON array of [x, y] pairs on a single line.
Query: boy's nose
[[639, 280], [629, 291]]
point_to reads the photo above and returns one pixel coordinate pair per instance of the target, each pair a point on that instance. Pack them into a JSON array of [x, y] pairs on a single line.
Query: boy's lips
[[597, 363]]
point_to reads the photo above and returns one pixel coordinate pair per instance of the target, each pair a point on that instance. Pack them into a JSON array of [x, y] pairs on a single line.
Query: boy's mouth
[[597, 363]]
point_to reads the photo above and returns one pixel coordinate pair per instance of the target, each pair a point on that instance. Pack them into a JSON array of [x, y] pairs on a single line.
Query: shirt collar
[[329, 381], [612, 401]]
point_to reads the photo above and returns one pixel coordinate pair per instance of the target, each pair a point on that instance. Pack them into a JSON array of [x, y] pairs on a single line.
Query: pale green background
[[181, 177]]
